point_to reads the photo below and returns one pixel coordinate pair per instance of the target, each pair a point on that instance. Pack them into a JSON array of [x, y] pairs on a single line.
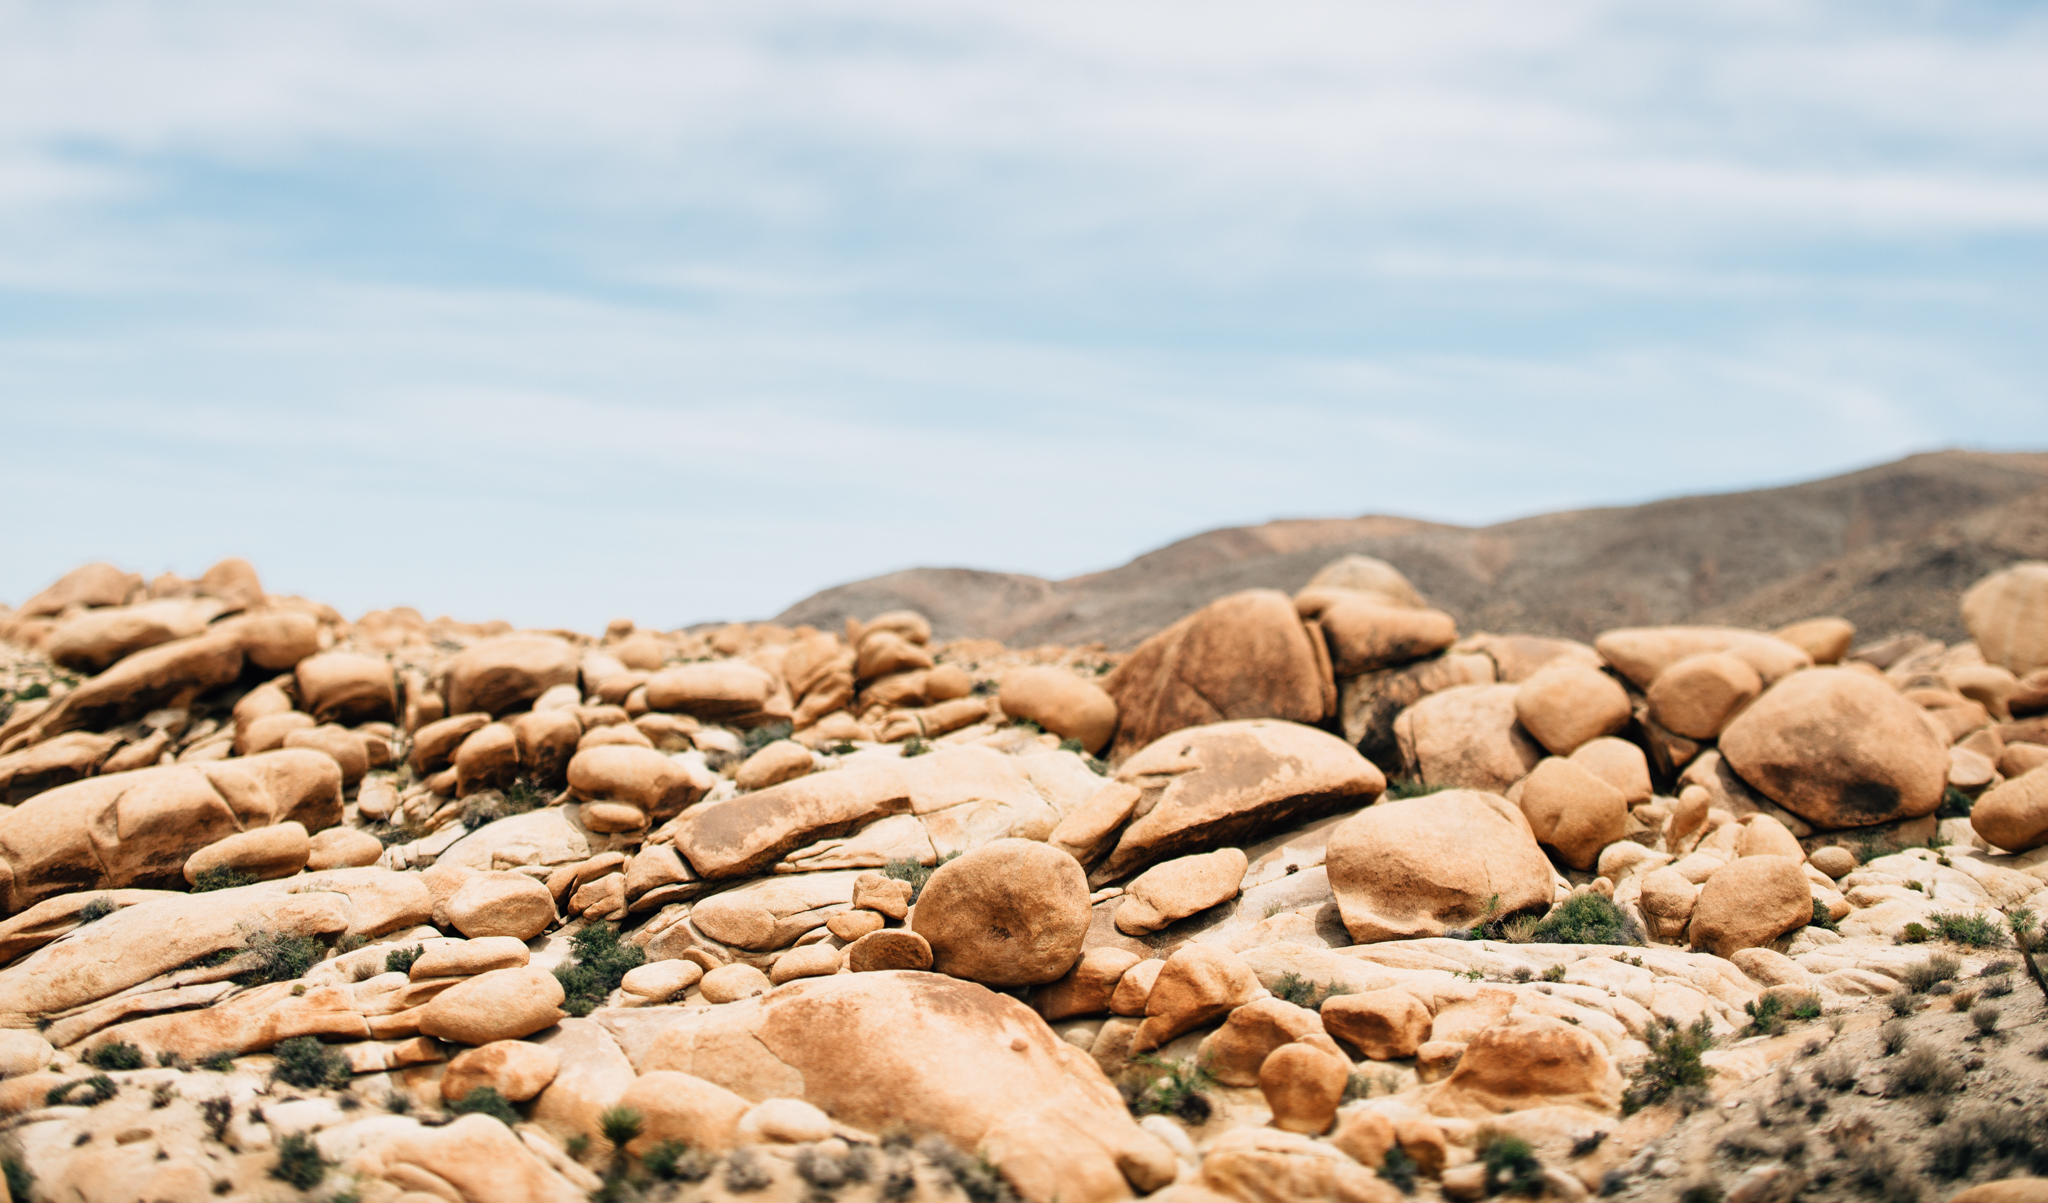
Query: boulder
[[731, 983], [661, 981], [343, 848], [1368, 705], [661, 787], [1696, 696], [96, 584], [1526, 1061], [2005, 1190], [1383, 1025], [1303, 1084], [1234, 1052], [884, 653], [467, 958], [91, 642], [777, 762], [2014, 816], [1572, 811], [515, 1069], [1198, 984], [488, 759], [265, 853], [1231, 783], [506, 673], [1178, 888], [1827, 640], [54, 762], [504, 1004], [594, 1073], [168, 674], [683, 1107], [1620, 764], [472, 1160], [930, 1053], [139, 828], [546, 740], [1642, 653], [1667, 899], [1366, 635], [347, 688], [1060, 702], [894, 948], [1088, 986], [1566, 705], [1261, 1165], [1750, 902], [1419, 866], [812, 960], [714, 690], [1763, 835], [744, 835], [2007, 614], [1467, 737], [1370, 577], [501, 904], [1839, 749], [1245, 656], [1010, 913], [774, 912], [345, 746], [279, 639]]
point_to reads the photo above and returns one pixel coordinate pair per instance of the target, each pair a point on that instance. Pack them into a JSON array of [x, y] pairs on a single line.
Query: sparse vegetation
[[915, 873], [21, 1181], [1893, 1036], [1984, 1017], [1921, 1070], [620, 1126], [1673, 1065], [745, 1173], [674, 1161], [219, 1063], [1955, 804], [1588, 918], [1970, 930], [1294, 988], [600, 961], [1399, 1169], [95, 909], [1407, 787], [217, 1112], [1511, 1165], [1939, 967], [305, 1062], [827, 1172], [760, 737], [1554, 974], [485, 1100], [914, 746], [973, 1176], [1176, 1088], [2008, 1140], [279, 958], [85, 1092], [115, 1055], [1822, 918], [1902, 1003], [400, 960], [299, 1163], [220, 877]]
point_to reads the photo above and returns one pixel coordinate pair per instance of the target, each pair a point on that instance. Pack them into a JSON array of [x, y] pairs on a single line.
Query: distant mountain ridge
[[1889, 548]]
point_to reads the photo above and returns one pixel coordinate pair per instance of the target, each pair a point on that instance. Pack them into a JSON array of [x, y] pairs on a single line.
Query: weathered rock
[[1620, 764], [503, 674], [1229, 783], [2005, 1190], [1749, 903], [504, 1004], [1418, 866], [169, 674], [1838, 749], [347, 688], [659, 786], [746, 834], [883, 653], [1178, 888], [2014, 816], [501, 904], [139, 828], [1062, 703], [1366, 635], [1566, 705], [54, 762], [1260, 1165], [434, 745], [514, 1068], [342, 848], [1763, 835], [2007, 614], [594, 1073], [488, 759], [265, 853], [686, 1108], [661, 981], [94, 640], [1245, 656], [467, 958], [95, 584], [1303, 1085], [719, 689], [472, 1160], [1087, 987], [1572, 811], [279, 639], [1467, 737], [812, 960], [780, 761], [1383, 1025], [1197, 984], [774, 912], [1370, 704], [1527, 1061], [1374, 578], [1234, 1052], [1697, 696], [887, 896], [1667, 899], [895, 948], [1011, 913], [1642, 653], [1827, 640], [731, 983]]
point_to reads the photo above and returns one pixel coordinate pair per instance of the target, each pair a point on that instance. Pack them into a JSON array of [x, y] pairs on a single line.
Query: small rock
[[731, 983]]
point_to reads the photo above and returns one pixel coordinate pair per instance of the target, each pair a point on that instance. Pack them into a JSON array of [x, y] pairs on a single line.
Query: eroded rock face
[[2007, 613], [1244, 656], [139, 828], [1227, 783], [1839, 749], [1419, 866], [1527, 1061], [499, 675], [1467, 737], [747, 834], [877, 1050], [1011, 913]]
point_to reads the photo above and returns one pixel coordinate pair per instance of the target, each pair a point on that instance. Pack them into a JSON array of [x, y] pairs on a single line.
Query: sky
[[556, 312]]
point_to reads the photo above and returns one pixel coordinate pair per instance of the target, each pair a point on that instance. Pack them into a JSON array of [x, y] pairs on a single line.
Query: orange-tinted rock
[[1696, 696], [503, 674], [1060, 702], [1838, 749], [1419, 866], [1467, 737], [347, 688]]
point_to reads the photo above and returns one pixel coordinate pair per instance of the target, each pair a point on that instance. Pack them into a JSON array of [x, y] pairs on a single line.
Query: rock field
[[1304, 897]]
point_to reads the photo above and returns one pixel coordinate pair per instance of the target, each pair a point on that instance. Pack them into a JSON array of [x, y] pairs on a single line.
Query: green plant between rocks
[[1178, 1088], [1511, 1166], [85, 1092], [279, 958], [115, 1055], [485, 1100], [299, 1163], [220, 877], [305, 1062], [597, 965], [1969, 930], [1673, 1065], [1588, 918], [95, 910]]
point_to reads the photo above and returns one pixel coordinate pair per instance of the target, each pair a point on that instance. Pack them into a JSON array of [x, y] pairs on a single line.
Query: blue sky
[[555, 312]]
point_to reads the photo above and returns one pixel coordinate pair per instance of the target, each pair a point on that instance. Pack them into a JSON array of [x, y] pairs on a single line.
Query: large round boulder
[[347, 688], [1750, 902], [719, 689], [1527, 1061], [1010, 913], [1573, 811], [659, 786], [1419, 866], [1838, 748], [504, 1004], [2007, 614], [1566, 704], [2014, 816], [1469, 737], [1062, 703], [503, 674]]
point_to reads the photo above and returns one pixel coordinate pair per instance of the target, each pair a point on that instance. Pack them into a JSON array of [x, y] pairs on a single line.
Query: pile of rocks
[[1346, 899]]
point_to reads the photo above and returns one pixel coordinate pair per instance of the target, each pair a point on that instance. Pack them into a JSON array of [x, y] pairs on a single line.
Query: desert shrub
[[115, 1054], [1807, 1007], [1955, 804], [1902, 1003], [485, 1100], [914, 873], [674, 1161], [1962, 1000], [398, 1103], [220, 877], [620, 1126], [95, 910], [1766, 1015], [217, 1112], [1997, 987], [915, 746], [745, 1174], [85, 1092], [1939, 967], [1834, 1073], [1893, 1036], [827, 1172], [1970, 930], [1554, 974], [219, 1063], [973, 1176], [1673, 1064], [1588, 918], [595, 967], [1511, 1166], [279, 958], [1985, 1017], [1921, 1070], [1300, 991], [1399, 1170], [298, 1162], [2010, 1140], [1876, 1170], [21, 1181], [1822, 918], [1181, 1089], [400, 960], [1700, 1192], [1915, 933], [1407, 787], [760, 737], [304, 1061]]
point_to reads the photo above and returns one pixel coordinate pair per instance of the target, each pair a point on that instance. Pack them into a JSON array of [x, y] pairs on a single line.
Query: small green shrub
[[1075, 746], [1407, 787], [400, 960], [914, 873], [299, 1163], [21, 1181], [85, 1092], [1588, 918], [760, 737], [217, 1112], [1939, 967], [1294, 988], [1822, 918], [304, 1061], [95, 910], [1955, 804], [620, 1126], [2010, 1140], [1766, 1015], [1180, 1090], [1554, 974], [1807, 1008], [827, 1172], [116, 1055], [221, 877], [915, 746], [485, 1100], [1915, 933], [596, 966], [1902, 1003], [1673, 1064], [279, 958], [1972, 931], [842, 748], [219, 1063], [577, 1145], [1511, 1166], [674, 1161], [1399, 1170]]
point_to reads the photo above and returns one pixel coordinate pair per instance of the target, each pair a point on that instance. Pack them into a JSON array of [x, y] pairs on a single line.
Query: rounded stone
[[504, 1004], [895, 948], [343, 848], [1839, 749], [501, 904], [1010, 913], [812, 960], [1060, 702], [1565, 705], [661, 981], [1750, 902], [516, 1069], [731, 983], [266, 853]]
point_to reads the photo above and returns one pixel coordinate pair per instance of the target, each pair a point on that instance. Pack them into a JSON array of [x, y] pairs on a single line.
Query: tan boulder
[[504, 1004], [139, 828], [2007, 614], [547, 739], [1750, 902], [1089, 831], [1062, 703], [1383, 1025], [1303, 1084], [1087, 987], [1369, 705], [95, 584], [1526, 1061], [849, 926], [661, 981], [1230, 783], [594, 1073], [265, 853], [467, 958], [883, 653], [745, 835], [1374, 578], [1697, 696], [1667, 899], [347, 688], [1234, 1052], [1010, 913], [501, 904], [1572, 811], [503, 674], [775, 911], [731, 983], [1245, 656], [234, 582], [473, 1160], [1834, 860], [434, 745], [1827, 640], [488, 759], [1620, 764], [777, 762], [345, 746], [1642, 653], [894, 948], [686, 1108], [1419, 866], [1838, 749], [1366, 635], [2014, 816], [1566, 705], [279, 639], [54, 762], [1178, 888], [888, 896], [1261, 1165], [1366, 1137], [812, 960], [930, 1053], [1763, 835], [1198, 984], [515, 1069], [92, 641], [1467, 737], [659, 786], [717, 689], [168, 674], [267, 733], [2005, 1190]]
